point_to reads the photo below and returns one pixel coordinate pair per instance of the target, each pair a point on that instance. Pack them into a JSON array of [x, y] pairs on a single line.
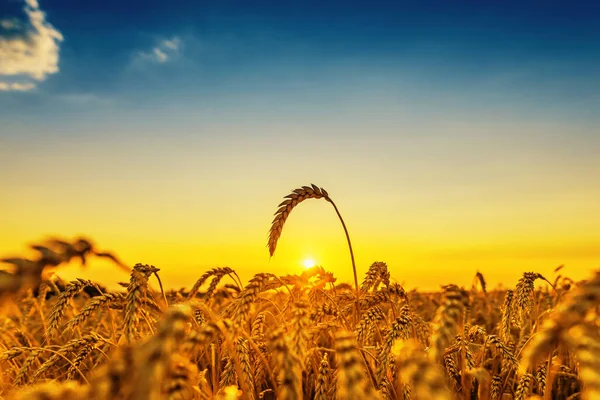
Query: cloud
[[29, 50], [16, 86], [165, 51], [9, 24], [160, 55], [172, 44]]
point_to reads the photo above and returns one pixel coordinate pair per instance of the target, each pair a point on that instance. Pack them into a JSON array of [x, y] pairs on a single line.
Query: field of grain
[[302, 336]]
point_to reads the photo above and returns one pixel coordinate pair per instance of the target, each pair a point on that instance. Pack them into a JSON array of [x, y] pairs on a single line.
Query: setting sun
[[309, 263]]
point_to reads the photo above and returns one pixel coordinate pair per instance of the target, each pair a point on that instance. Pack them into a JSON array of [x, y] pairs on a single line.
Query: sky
[[454, 136]]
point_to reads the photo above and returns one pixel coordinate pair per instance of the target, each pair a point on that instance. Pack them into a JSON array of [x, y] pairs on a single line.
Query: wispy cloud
[[164, 51], [29, 50], [16, 86]]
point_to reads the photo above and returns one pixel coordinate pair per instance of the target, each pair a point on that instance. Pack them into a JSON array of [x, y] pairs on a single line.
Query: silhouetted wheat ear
[[285, 208]]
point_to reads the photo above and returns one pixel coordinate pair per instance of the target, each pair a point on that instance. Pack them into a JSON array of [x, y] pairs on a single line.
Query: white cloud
[[16, 86], [9, 24], [172, 44], [165, 51], [160, 55], [28, 52]]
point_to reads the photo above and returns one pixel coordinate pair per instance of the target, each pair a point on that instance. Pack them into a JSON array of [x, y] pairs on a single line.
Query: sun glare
[[309, 263]]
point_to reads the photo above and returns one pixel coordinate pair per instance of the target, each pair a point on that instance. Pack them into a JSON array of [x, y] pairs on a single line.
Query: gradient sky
[[454, 136]]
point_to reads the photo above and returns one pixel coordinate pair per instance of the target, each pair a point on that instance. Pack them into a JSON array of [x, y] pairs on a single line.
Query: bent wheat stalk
[[285, 208]]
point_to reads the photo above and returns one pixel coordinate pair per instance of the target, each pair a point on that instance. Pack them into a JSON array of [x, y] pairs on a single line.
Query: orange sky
[[161, 203]]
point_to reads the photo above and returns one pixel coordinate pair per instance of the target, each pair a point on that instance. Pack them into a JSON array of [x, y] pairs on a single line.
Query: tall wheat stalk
[[285, 208]]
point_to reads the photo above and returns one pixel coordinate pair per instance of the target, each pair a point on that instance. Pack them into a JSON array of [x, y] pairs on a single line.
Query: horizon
[[454, 138]]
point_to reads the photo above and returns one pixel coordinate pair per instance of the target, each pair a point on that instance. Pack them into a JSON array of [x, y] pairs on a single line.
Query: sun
[[309, 263]]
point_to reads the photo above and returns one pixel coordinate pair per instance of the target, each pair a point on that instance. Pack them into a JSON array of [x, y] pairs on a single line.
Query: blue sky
[[538, 55], [481, 118]]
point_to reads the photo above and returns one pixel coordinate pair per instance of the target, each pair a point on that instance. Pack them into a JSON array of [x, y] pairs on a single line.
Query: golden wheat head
[[285, 208]]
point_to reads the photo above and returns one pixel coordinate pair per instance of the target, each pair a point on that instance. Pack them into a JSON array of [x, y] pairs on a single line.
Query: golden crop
[[299, 336]]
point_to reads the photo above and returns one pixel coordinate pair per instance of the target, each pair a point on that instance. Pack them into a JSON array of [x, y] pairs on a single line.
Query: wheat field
[[304, 336]]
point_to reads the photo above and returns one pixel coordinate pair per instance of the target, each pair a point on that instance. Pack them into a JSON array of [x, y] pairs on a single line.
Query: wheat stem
[[285, 208], [357, 288]]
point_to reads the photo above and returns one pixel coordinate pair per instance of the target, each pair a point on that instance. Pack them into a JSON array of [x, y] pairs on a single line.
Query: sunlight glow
[[309, 263]]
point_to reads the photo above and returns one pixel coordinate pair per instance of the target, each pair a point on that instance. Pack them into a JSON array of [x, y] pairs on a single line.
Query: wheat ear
[[352, 380], [136, 292], [93, 305], [419, 371], [59, 308], [323, 383], [285, 208], [288, 366], [376, 274], [446, 319]]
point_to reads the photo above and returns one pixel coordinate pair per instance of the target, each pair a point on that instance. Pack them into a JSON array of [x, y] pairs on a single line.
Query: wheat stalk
[[217, 274], [155, 355], [95, 304], [323, 383], [364, 328], [377, 272], [397, 330], [258, 337], [83, 353], [136, 292], [245, 376], [352, 381], [23, 374], [507, 317], [61, 304], [522, 344], [415, 368], [285, 208], [496, 387], [446, 319], [240, 307], [111, 381], [72, 346], [524, 386], [288, 365], [179, 379], [299, 329], [228, 376], [53, 391]]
